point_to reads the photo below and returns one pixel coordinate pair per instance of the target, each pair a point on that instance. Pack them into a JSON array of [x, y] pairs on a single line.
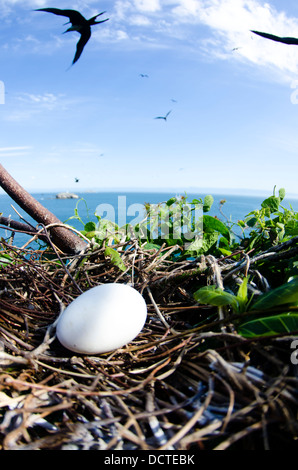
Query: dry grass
[[187, 382]]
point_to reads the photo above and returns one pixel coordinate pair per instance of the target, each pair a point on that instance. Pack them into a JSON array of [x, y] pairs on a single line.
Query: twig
[[188, 426], [160, 316]]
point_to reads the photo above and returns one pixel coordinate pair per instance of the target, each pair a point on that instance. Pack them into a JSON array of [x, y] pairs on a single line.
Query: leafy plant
[[5, 259], [175, 222], [115, 258], [187, 225], [269, 326], [212, 295], [285, 296], [272, 224]]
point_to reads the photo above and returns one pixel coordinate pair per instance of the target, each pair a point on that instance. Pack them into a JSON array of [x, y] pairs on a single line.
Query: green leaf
[[251, 222], [209, 241], [197, 202], [106, 228], [267, 326], [242, 295], [171, 201], [292, 227], [212, 295], [271, 203], [5, 259], [213, 224], [90, 227], [115, 258], [196, 246], [208, 201], [282, 295], [224, 242], [282, 193], [151, 246], [242, 291], [241, 223], [225, 252], [90, 234]]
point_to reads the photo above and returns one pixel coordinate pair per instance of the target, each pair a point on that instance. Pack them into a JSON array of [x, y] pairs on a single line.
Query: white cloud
[[24, 106], [13, 151], [5, 149], [147, 5], [30, 104], [173, 22], [140, 20], [7, 6], [19, 115], [230, 22], [187, 8], [47, 99]]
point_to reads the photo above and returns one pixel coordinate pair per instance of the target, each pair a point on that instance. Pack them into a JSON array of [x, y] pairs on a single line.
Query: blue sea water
[[116, 206]]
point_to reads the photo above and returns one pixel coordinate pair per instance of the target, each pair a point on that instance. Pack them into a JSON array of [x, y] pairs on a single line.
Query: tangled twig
[[184, 383]]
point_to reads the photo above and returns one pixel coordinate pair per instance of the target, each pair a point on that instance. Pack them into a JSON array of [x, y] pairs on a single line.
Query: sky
[[233, 96]]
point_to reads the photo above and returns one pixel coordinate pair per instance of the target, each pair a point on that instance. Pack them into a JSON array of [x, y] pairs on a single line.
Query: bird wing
[[85, 36], [163, 117], [277, 38], [74, 16], [98, 22], [92, 20]]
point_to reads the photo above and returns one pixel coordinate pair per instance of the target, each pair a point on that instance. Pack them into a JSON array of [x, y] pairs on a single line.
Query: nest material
[[187, 382]]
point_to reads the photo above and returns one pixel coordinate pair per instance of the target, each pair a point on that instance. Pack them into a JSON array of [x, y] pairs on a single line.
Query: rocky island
[[67, 195]]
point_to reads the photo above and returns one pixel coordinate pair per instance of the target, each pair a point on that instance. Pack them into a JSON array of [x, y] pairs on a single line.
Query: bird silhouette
[[79, 24], [277, 38], [77, 180], [144, 75], [163, 117]]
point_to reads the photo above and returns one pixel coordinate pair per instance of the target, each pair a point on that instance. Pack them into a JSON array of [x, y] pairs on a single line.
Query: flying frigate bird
[[79, 24], [277, 38], [163, 117]]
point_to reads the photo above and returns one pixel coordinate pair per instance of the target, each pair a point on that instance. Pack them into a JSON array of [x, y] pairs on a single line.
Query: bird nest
[[187, 382]]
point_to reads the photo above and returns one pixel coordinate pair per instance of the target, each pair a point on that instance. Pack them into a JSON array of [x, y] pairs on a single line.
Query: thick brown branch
[[14, 224], [64, 239], [21, 227]]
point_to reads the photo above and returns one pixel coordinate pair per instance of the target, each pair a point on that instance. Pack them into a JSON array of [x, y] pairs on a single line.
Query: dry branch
[[167, 389], [66, 240]]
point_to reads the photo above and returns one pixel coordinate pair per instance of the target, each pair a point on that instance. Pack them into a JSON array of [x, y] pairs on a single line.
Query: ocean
[[122, 207]]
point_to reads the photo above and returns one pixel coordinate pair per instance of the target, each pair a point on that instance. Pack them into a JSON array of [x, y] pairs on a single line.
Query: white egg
[[102, 319]]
